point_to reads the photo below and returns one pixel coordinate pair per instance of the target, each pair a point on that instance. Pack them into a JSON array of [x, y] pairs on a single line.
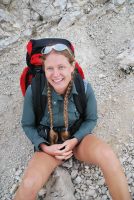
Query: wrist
[[75, 140], [43, 146]]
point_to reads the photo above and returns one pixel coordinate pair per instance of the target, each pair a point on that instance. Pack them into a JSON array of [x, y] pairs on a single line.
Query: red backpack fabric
[[34, 62], [34, 75]]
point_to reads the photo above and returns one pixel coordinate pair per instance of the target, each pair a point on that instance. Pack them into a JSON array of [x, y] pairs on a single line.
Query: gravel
[[87, 179]]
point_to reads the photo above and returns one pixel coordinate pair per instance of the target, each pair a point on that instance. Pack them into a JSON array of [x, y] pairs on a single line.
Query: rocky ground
[[104, 41]]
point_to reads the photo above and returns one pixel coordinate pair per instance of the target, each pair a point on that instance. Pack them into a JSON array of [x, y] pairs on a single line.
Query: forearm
[[85, 129], [90, 117], [33, 136]]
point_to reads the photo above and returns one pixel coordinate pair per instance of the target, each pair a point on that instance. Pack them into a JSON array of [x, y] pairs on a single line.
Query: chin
[[60, 90]]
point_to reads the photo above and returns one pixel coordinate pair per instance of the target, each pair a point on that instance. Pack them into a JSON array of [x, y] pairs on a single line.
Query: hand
[[67, 147], [54, 150], [69, 144], [64, 156]]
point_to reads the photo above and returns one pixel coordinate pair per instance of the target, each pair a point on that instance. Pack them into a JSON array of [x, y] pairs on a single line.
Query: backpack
[[33, 74]]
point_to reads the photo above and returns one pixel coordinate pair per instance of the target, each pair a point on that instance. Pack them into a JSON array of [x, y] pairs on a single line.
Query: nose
[[56, 72]]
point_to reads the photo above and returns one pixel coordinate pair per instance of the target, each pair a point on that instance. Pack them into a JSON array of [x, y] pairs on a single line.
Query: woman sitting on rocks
[[59, 144]]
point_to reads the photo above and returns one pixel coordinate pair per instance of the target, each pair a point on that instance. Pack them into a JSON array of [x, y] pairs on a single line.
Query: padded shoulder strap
[[80, 99], [39, 100]]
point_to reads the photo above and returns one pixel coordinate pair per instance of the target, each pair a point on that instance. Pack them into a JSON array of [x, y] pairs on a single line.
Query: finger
[[62, 146], [67, 148], [67, 153], [64, 157], [59, 152], [60, 157], [69, 156]]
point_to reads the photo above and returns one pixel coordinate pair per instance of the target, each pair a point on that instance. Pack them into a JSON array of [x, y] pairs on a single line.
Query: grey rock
[[42, 192], [74, 173], [104, 197], [8, 41], [126, 60], [62, 4], [14, 188], [78, 180], [90, 192], [6, 2], [68, 163], [103, 189], [100, 1], [77, 196], [69, 19], [131, 1], [101, 182], [18, 172], [27, 32], [89, 182], [60, 186], [118, 2]]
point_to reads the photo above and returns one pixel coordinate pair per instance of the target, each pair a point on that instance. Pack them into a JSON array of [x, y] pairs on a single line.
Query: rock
[[118, 2], [132, 163], [100, 1], [89, 182], [101, 76], [68, 163], [101, 182], [6, 2], [77, 196], [126, 60], [78, 180], [42, 192], [104, 197], [13, 189], [74, 173], [60, 186], [8, 41], [27, 32], [18, 172], [131, 1], [69, 19], [90, 193], [103, 189], [62, 4]]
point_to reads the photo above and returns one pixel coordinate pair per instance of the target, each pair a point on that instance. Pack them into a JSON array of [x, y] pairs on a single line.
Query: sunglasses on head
[[56, 47]]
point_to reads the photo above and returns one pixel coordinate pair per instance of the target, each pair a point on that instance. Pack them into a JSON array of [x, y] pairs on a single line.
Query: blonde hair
[[64, 135]]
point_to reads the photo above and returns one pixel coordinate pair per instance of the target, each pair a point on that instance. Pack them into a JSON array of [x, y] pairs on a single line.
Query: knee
[[31, 184], [107, 158]]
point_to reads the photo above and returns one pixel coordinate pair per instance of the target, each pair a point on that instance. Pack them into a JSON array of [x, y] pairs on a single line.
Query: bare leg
[[37, 173], [94, 151]]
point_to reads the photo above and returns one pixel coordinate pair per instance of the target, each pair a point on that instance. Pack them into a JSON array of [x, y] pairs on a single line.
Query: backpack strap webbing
[[39, 100], [80, 99]]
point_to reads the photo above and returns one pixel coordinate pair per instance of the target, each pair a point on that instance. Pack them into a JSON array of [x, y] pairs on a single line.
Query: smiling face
[[58, 71]]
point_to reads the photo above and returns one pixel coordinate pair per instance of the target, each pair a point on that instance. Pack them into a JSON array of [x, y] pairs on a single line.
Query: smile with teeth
[[57, 80]]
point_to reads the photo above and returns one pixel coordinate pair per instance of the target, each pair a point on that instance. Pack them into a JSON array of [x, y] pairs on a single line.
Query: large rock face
[[26, 18]]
